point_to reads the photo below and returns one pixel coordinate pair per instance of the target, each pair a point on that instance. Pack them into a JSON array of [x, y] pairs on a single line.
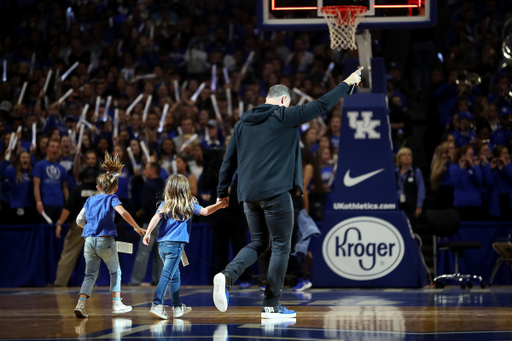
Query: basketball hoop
[[342, 22]]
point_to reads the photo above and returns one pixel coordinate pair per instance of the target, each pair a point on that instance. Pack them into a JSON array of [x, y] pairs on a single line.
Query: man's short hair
[[156, 167], [279, 90]]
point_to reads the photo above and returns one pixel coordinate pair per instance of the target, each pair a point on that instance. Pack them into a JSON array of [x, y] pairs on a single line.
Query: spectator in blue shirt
[[410, 185], [50, 188], [503, 135], [327, 171], [465, 134], [22, 189], [334, 131], [498, 178], [467, 180], [211, 140]]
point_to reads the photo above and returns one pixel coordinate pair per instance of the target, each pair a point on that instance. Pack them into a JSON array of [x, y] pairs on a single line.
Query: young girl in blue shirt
[[97, 219], [177, 209]]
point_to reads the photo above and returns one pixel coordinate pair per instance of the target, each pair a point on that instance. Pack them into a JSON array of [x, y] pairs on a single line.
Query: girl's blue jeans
[[95, 250], [170, 253]]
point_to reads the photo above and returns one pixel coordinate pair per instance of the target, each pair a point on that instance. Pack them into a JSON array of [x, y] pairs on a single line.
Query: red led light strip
[[274, 8], [411, 5]]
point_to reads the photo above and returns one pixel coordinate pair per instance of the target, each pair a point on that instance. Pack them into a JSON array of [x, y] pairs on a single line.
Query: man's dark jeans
[[269, 220]]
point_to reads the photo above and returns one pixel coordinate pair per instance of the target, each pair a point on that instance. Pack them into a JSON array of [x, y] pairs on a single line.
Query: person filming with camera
[[467, 180]]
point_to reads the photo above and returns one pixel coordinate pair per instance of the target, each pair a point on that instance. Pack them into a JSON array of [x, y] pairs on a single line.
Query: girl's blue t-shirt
[[22, 193], [52, 175], [175, 230], [100, 214]]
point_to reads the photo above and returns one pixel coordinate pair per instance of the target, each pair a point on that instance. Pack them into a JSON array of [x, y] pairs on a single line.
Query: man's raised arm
[[297, 115]]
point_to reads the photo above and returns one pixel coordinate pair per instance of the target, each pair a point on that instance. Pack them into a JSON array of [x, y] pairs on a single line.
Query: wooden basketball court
[[322, 314]]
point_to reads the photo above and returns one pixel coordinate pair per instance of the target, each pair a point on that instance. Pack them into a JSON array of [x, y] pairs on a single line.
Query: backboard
[[305, 15]]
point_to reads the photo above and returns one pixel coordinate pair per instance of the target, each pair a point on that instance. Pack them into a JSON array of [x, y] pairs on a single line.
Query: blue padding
[[31, 254]]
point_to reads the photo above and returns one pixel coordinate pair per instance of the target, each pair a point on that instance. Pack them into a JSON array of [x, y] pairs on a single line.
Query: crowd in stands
[[471, 169], [163, 83], [156, 56]]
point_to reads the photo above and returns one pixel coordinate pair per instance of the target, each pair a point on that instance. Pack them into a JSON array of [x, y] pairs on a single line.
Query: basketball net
[[342, 22]]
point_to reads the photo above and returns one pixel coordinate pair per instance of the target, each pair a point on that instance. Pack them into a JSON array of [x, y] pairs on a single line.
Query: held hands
[[224, 201], [355, 77], [140, 231], [146, 239]]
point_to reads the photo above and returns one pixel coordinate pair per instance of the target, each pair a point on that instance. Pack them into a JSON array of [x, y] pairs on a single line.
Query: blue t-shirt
[[22, 193], [175, 230], [326, 174], [52, 175], [335, 141], [464, 138], [100, 214]]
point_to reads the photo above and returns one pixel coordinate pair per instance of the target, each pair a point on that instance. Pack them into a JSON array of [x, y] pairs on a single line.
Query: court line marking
[[251, 337], [257, 326]]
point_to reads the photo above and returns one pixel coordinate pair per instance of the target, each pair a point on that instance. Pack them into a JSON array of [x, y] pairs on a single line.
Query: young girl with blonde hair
[[97, 219], [177, 209]]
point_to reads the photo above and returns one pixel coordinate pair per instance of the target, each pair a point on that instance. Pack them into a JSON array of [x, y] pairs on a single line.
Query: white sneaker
[[80, 309], [158, 310], [119, 308], [180, 311], [220, 292]]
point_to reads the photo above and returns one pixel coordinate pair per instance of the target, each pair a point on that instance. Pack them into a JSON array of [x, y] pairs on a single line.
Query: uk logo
[[53, 172], [365, 127]]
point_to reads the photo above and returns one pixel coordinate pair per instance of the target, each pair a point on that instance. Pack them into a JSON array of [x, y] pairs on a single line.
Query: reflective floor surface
[[322, 314]]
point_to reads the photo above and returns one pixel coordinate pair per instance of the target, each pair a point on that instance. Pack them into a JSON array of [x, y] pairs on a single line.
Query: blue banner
[[365, 178], [366, 241]]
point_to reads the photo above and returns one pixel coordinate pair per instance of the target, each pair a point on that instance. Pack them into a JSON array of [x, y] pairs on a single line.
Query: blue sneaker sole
[[304, 287], [219, 292], [277, 315]]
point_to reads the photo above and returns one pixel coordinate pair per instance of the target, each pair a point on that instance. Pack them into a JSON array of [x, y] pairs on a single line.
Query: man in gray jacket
[[265, 149]]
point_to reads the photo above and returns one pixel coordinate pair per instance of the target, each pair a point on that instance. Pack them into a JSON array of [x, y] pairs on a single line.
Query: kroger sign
[[363, 248]]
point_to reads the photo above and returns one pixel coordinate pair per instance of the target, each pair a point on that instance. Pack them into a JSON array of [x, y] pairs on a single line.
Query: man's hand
[[226, 200], [418, 212], [146, 239], [40, 207], [58, 228], [354, 78]]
